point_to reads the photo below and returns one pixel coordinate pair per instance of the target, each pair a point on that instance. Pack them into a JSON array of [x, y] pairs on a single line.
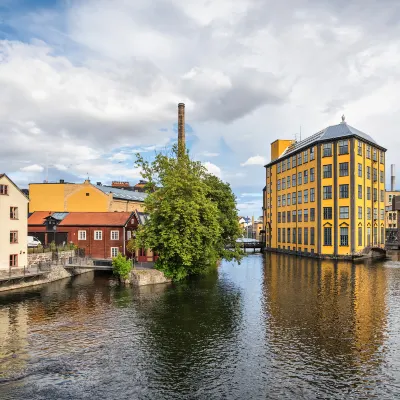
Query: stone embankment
[[142, 277], [57, 272]]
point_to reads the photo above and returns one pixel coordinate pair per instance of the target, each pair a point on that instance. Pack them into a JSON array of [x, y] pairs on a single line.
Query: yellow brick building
[[325, 195], [82, 197]]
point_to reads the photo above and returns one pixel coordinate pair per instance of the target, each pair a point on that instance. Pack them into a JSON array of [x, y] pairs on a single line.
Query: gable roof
[[37, 217], [334, 132], [8, 178], [122, 194], [96, 219]]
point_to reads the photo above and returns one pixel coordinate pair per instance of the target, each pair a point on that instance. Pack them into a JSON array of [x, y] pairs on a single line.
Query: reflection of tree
[[331, 315], [190, 327]]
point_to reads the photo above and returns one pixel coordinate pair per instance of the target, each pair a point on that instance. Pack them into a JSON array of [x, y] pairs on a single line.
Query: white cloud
[[120, 157], [257, 194], [208, 154], [249, 74], [255, 160], [213, 169], [32, 168]]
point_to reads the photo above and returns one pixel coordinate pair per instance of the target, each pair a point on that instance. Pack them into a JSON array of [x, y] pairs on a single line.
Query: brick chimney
[[181, 129]]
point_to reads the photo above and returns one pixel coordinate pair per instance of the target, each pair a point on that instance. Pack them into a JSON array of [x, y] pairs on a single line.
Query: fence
[[50, 249]]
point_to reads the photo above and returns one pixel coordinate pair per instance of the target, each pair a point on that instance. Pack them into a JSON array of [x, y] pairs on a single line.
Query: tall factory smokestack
[[393, 178], [181, 129]]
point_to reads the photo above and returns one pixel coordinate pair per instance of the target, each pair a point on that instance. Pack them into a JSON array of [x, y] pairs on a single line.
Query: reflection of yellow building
[[325, 194], [13, 339], [327, 306], [82, 197]]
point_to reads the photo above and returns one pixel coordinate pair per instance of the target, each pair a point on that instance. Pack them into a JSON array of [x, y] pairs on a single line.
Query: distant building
[[390, 215], [13, 225], [82, 197], [325, 195]]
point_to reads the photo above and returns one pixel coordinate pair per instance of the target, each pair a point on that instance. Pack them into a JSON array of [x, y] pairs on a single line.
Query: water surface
[[273, 327]]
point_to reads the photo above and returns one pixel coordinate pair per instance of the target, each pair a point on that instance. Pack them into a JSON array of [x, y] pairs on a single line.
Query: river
[[273, 327]]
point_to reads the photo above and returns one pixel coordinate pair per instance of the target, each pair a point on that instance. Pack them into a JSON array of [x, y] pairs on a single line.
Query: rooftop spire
[[343, 119]]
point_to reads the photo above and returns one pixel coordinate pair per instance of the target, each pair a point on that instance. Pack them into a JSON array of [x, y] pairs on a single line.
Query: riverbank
[[56, 273]]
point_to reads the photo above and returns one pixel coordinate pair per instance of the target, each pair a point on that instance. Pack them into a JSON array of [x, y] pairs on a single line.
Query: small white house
[[13, 225]]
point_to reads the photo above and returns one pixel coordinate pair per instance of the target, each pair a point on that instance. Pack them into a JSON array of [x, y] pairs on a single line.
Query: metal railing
[[21, 272]]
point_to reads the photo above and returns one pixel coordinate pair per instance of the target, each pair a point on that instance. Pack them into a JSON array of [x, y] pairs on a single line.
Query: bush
[[121, 266]]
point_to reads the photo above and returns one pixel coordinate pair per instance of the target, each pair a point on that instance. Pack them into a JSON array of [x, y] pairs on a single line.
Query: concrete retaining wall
[[35, 259], [57, 272], [141, 277]]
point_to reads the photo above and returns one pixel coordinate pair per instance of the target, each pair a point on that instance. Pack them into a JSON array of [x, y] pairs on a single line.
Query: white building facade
[[13, 225]]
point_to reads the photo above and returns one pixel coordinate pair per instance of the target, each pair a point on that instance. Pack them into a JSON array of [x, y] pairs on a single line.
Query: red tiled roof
[[37, 218], [96, 219]]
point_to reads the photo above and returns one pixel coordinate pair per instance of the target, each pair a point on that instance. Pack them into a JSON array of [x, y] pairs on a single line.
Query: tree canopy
[[192, 216]]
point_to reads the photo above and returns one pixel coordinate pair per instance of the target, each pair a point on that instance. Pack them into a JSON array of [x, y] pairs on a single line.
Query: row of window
[[298, 159], [368, 174], [293, 216], [98, 235], [296, 216], [302, 235], [375, 192], [296, 236], [343, 148], [292, 199], [302, 177]]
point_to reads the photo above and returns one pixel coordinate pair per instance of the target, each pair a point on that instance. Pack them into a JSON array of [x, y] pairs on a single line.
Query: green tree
[[185, 225], [131, 246], [121, 266], [221, 194]]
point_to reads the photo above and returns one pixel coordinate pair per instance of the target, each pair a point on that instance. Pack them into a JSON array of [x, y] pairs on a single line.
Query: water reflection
[[273, 327], [331, 315]]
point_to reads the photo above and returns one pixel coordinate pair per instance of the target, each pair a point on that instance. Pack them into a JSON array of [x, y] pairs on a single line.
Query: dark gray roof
[[330, 133], [122, 194], [142, 217], [59, 215]]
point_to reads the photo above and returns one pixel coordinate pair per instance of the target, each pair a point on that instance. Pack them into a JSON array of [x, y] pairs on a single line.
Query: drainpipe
[[123, 242]]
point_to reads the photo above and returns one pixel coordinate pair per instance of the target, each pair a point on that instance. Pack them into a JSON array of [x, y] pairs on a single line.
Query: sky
[[87, 84]]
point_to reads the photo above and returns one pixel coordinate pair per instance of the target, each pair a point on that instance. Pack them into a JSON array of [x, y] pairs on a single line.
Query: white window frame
[[112, 251], [128, 235], [117, 235], [100, 235], [81, 235]]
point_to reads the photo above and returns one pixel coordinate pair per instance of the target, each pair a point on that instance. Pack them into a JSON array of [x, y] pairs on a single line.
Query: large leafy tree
[[192, 216]]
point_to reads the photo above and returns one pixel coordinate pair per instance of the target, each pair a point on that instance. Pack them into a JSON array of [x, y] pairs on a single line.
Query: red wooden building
[[102, 234]]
